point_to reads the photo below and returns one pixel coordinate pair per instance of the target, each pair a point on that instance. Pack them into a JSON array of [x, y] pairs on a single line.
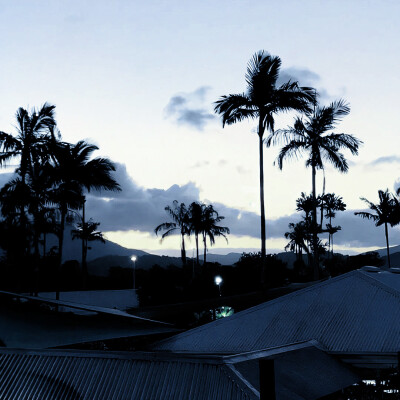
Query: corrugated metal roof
[[351, 313], [22, 326], [84, 307], [75, 375]]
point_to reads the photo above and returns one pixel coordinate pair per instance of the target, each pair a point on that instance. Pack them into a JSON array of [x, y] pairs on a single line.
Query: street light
[[218, 282], [133, 258]]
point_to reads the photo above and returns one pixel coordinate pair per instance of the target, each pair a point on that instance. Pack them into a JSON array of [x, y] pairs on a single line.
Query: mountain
[[223, 259], [392, 250], [73, 248], [101, 266]]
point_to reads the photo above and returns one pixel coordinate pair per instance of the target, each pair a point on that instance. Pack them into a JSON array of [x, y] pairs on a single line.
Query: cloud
[[385, 160], [188, 109], [305, 77], [200, 164], [138, 208], [241, 170], [135, 207]]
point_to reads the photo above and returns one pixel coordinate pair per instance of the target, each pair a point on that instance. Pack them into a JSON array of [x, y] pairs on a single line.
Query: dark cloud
[[305, 77], [188, 109], [385, 160], [138, 208]]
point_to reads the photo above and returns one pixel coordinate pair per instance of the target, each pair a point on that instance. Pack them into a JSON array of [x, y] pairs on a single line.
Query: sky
[[139, 80]]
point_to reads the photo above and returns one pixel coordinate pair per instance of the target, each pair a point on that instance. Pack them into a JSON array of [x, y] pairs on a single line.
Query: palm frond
[[291, 150], [235, 108]]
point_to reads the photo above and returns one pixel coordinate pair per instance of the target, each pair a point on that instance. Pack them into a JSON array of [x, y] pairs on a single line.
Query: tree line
[[48, 187]]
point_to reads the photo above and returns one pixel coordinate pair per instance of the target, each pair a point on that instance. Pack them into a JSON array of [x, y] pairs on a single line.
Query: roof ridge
[[259, 306], [379, 283]]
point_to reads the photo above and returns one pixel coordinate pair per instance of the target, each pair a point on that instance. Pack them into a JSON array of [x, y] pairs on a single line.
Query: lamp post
[[218, 282], [133, 258]]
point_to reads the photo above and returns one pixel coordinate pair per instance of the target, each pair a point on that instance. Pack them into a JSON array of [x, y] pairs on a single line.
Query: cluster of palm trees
[[301, 233], [51, 179], [309, 135], [386, 212], [198, 219]]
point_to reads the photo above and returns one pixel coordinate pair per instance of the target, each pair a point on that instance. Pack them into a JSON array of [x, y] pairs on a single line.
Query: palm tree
[[196, 212], [30, 143], [262, 101], [298, 235], [87, 232], [310, 137], [305, 203], [210, 228], [332, 205], [72, 172], [385, 212], [331, 231], [180, 217], [30, 146]]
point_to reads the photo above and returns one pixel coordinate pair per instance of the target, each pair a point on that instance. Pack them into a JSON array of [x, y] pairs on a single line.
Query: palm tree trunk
[[331, 237], [60, 249], [183, 251], [314, 228], [205, 249], [84, 247], [263, 237], [44, 244], [387, 243], [197, 249]]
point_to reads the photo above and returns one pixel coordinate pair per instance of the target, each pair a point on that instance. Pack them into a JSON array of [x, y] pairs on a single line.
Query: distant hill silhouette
[[392, 250], [101, 266], [73, 248]]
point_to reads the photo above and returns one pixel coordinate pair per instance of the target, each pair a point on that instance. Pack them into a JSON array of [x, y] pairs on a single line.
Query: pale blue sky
[[112, 69]]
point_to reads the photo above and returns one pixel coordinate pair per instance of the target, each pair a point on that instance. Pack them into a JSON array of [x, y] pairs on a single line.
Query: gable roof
[[85, 375], [352, 313], [23, 326]]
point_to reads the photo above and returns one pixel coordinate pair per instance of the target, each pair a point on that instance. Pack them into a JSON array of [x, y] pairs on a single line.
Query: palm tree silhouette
[[180, 217], [30, 146], [73, 171], [262, 101], [310, 137], [87, 232], [385, 212], [196, 214], [30, 143], [210, 228], [298, 235], [332, 204]]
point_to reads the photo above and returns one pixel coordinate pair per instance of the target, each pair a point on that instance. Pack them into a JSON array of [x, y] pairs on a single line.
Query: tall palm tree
[[30, 146], [262, 101], [72, 172], [310, 136], [210, 228], [30, 143], [384, 213], [180, 222], [196, 213]]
